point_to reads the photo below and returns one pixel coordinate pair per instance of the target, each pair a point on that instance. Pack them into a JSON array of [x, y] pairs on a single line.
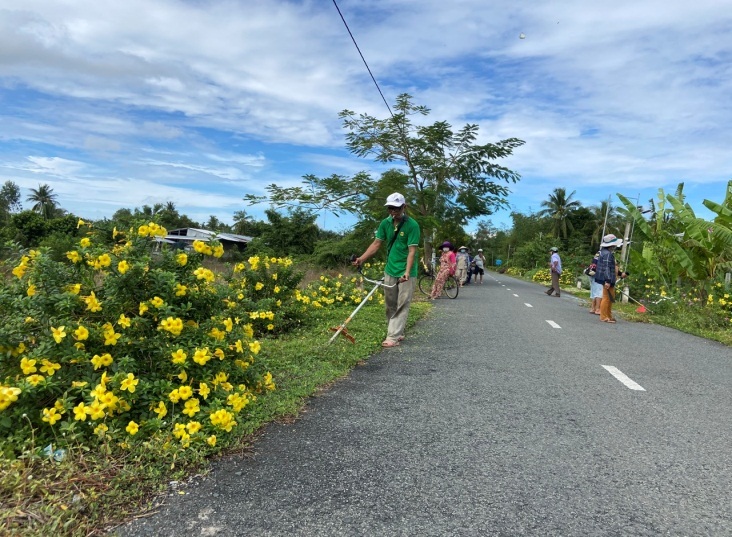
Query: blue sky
[[120, 104]]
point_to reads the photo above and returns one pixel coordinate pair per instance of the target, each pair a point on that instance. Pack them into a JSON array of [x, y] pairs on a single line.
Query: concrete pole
[[624, 252]]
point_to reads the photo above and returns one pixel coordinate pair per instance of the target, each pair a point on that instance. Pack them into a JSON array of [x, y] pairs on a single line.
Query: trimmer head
[[344, 333]]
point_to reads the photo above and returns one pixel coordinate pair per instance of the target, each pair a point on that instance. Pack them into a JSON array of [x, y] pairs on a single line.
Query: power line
[[364, 59]]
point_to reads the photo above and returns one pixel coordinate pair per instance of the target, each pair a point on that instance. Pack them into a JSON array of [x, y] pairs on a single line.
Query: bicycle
[[427, 281]]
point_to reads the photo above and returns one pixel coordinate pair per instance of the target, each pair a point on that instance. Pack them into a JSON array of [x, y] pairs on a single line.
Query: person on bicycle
[[447, 268], [401, 234]]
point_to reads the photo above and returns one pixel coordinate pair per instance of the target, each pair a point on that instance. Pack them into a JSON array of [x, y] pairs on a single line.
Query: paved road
[[495, 417]]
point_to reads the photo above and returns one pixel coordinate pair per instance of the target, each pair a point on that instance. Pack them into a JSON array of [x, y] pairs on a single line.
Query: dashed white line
[[553, 324], [528, 305], [622, 377], [514, 294]]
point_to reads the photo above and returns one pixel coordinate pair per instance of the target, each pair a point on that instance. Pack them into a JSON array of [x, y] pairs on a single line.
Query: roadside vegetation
[[125, 365]]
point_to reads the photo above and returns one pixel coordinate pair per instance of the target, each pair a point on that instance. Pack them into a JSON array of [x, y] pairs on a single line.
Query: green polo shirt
[[396, 264]]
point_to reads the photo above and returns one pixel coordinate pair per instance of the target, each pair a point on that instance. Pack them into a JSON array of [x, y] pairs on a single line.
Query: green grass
[[91, 492]]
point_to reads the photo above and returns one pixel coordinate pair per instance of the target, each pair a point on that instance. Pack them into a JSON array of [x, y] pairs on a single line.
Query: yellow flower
[[157, 302], [183, 376], [92, 304], [49, 368], [50, 415], [123, 321], [31, 290], [81, 333], [96, 412], [258, 286], [219, 353], [35, 379], [80, 412], [223, 419], [172, 325], [78, 383], [28, 366], [123, 266], [201, 356], [270, 326], [85, 242], [174, 396], [276, 289], [185, 392], [115, 232], [191, 408], [104, 260], [193, 427], [179, 430], [20, 270], [129, 383], [161, 410], [100, 429], [80, 223], [228, 324], [211, 440], [143, 308], [58, 333], [111, 337], [218, 251], [8, 395], [132, 428], [181, 259], [255, 347], [105, 360], [74, 288], [180, 290], [179, 356], [239, 346], [204, 390]]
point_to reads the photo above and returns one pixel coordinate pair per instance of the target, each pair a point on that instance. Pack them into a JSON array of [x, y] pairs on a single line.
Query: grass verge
[[90, 492]]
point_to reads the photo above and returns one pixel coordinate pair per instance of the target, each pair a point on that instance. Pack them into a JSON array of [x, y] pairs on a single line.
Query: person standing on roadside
[[479, 266], [606, 275], [447, 268], [401, 234], [463, 265], [555, 266], [595, 288]]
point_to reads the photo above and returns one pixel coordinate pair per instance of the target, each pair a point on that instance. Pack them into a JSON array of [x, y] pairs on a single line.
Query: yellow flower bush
[[127, 345]]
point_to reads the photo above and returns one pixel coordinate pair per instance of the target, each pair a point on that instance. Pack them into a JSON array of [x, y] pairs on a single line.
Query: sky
[[121, 104]]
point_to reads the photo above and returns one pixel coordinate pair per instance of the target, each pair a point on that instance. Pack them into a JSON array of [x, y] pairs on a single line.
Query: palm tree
[[604, 217], [558, 208], [44, 199]]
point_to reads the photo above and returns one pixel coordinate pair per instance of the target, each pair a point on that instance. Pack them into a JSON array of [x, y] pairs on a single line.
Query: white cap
[[396, 200]]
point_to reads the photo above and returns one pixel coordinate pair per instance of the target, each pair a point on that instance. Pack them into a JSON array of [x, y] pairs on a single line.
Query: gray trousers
[[397, 299], [555, 284]]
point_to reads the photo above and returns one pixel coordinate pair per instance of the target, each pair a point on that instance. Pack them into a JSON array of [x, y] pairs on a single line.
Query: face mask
[[446, 249], [462, 251]]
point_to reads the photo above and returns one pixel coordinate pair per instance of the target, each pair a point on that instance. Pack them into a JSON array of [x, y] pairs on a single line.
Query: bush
[[120, 345], [544, 276]]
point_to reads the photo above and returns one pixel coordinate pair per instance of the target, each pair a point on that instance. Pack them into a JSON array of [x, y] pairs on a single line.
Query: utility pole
[[624, 252]]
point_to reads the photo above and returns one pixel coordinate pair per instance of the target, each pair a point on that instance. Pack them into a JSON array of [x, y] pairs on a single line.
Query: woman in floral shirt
[[447, 268]]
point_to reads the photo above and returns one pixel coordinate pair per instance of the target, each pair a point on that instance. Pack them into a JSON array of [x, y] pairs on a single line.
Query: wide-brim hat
[[446, 244], [480, 249], [463, 248], [610, 240]]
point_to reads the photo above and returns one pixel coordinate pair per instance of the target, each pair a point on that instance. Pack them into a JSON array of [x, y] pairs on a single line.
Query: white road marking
[[514, 294], [507, 289], [553, 324], [528, 305], [622, 377]]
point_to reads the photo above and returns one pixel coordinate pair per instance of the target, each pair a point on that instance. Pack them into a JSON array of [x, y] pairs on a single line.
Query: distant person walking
[[479, 269], [401, 235], [606, 275], [555, 266], [463, 265], [447, 268]]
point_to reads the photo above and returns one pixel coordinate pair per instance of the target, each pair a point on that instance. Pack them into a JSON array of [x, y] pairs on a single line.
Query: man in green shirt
[[401, 235]]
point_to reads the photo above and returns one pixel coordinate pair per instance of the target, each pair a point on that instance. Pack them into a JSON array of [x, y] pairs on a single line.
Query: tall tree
[[10, 198], [558, 207], [450, 177], [44, 201]]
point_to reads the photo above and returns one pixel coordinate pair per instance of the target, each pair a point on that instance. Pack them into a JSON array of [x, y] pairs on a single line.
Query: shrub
[[544, 276], [120, 345]]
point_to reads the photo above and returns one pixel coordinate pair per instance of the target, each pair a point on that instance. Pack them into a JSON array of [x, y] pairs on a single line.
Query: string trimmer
[[342, 328]]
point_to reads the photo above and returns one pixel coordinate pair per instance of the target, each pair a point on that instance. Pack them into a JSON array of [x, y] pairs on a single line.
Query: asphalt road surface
[[506, 413]]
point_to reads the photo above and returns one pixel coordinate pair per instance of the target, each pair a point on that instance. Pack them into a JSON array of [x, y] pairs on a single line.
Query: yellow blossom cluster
[[151, 230]]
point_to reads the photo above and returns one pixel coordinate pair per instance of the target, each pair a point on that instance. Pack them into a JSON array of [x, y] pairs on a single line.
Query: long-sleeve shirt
[[606, 272]]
